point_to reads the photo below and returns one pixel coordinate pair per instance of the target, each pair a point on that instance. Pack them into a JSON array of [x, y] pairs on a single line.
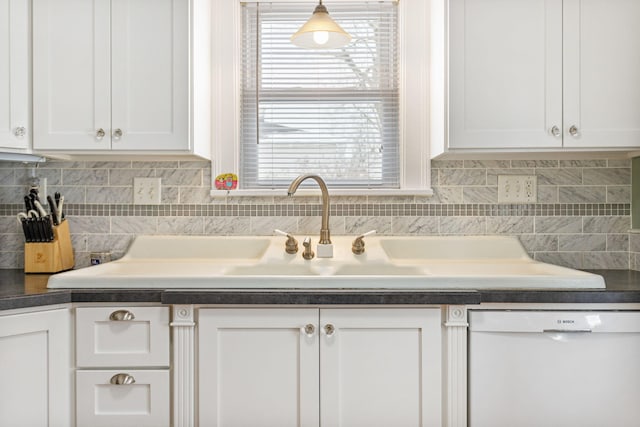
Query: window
[[357, 116], [332, 112]]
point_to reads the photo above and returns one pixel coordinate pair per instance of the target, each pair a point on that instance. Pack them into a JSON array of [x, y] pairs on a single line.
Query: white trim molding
[[455, 396], [183, 334]]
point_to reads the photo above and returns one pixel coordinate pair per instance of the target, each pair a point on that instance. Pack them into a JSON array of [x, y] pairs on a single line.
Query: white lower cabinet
[[36, 369], [123, 375], [142, 403], [319, 367]]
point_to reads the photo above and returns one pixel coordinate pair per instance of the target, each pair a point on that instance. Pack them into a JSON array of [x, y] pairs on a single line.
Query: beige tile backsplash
[[582, 217]]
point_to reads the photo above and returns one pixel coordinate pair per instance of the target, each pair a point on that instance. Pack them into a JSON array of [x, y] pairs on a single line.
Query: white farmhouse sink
[[389, 262]]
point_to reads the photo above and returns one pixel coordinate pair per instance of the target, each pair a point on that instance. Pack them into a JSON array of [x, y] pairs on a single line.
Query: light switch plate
[[517, 189], [146, 191]]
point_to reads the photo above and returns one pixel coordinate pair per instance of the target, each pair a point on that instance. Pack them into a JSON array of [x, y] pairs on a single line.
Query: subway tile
[[154, 165], [106, 195], [607, 260], [463, 177], [186, 177], [89, 225], [419, 226], [134, 225], [171, 195], [582, 242], [122, 177], [547, 194], [606, 176], [310, 225], [181, 225], [556, 176], [480, 194], [598, 163], [463, 225], [85, 177], [487, 164], [108, 242], [109, 165], [534, 163], [509, 225], [582, 194], [7, 177], [447, 195], [227, 226], [617, 242], [447, 164], [619, 194], [540, 242], [565, 259], [358, 225], [619, 163], [558, 225], [634, 242], [606, 224], [264, 226]]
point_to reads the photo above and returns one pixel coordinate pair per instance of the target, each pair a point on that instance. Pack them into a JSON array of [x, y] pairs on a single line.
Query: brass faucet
[[325, 235]]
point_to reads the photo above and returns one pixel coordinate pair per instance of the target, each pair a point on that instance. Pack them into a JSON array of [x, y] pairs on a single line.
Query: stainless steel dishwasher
[[554, 369]]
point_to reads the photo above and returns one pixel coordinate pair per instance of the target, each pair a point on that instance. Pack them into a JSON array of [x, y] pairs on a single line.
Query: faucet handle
[[357, 247], [291, 245], [308, 252]]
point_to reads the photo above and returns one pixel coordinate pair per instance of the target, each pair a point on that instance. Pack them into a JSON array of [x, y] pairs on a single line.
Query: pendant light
[[320, 32]]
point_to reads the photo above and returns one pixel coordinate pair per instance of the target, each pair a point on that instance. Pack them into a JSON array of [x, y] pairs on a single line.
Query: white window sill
[[424, 192]]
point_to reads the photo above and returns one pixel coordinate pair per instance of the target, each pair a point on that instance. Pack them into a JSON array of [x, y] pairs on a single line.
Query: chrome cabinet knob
[[329, 329], [573, 131], [309, 330], [121, 315], [100, 133], [555, 131], [20, 131], [117, 134], [122, 379]]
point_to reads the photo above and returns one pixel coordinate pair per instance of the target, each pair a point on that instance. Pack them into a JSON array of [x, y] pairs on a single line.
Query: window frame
[[416, 130]]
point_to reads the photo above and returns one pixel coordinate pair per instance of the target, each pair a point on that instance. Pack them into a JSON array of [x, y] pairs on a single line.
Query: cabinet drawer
[[139, 338], [144, 402]]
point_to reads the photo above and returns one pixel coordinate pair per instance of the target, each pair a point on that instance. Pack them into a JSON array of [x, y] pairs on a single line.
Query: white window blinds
[[331, 112]]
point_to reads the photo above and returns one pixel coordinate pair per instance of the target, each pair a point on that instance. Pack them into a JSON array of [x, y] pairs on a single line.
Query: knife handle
[[53, 207]]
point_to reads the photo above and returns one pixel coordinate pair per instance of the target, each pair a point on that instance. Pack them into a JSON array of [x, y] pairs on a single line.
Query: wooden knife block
[[50, 257]]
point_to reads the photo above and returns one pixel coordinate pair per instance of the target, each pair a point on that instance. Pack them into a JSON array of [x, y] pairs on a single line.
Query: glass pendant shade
[[320, 32]]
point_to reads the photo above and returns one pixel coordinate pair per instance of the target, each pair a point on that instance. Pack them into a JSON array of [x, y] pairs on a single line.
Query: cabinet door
[[71, 74], [141, 340], [380, 367], [505, 74], [150, 74], [15, 131], [142, 403], [257, 367], [601, 69], [35, 367]]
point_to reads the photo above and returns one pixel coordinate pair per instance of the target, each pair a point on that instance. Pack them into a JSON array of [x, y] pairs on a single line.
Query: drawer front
[[140, 336], [141, 403]]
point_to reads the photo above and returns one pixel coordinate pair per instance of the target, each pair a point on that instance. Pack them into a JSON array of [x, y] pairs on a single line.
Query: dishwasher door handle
[[565, 331]]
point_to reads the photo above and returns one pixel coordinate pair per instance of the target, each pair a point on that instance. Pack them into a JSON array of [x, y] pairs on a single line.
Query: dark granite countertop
[[20, 290]]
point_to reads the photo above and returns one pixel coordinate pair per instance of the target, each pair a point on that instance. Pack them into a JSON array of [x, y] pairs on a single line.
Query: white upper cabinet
[[15, 129], [114, 76], [543, 75], [601, 73]]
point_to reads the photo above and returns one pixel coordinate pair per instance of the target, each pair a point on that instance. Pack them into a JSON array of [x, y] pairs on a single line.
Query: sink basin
[[453, 248], [198, 247], [389, 262]]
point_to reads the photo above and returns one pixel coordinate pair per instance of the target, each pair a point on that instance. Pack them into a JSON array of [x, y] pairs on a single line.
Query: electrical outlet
[[146, 191], [517, 189]]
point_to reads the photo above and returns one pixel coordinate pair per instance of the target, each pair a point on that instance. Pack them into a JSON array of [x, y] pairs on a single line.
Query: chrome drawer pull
[[122, 379], [122, 315]]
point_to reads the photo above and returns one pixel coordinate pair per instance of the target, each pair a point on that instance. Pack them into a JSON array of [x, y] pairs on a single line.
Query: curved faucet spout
[[325, 237]]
